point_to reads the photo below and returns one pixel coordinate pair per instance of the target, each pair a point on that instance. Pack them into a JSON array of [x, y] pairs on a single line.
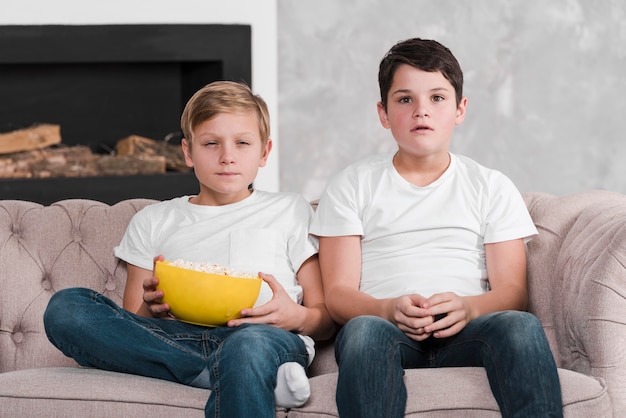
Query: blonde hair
[[223, 97]]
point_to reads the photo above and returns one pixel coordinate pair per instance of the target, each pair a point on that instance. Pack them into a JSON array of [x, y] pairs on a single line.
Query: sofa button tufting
[[110, 285], [18, 337], [46, 284]]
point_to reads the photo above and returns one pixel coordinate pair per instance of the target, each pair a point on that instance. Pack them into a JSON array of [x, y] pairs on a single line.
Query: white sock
[[310, 347], [292, 385]]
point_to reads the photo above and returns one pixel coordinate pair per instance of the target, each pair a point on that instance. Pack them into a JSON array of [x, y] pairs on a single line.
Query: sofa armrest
[[577, 283], [593, 264]]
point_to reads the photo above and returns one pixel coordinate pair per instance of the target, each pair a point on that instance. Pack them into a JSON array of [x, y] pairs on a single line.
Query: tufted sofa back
[[47, 248]]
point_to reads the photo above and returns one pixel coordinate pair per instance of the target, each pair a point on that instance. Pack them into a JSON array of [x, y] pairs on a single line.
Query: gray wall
[[545, 82]]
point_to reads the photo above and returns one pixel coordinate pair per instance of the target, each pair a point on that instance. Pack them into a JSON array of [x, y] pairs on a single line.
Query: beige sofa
[[577, 280]]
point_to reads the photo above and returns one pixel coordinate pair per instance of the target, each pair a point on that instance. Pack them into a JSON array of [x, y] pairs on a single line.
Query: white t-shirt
[[423, 240], [266, 232]]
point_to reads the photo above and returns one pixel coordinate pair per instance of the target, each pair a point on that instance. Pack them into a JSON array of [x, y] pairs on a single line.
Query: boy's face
[[226, 153], [421, 112]]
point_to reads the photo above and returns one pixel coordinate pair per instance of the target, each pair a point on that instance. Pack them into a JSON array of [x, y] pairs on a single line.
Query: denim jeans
[[372, 354], [238, 364]]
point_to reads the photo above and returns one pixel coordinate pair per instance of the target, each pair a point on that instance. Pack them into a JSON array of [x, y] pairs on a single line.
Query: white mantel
[[259, 14]]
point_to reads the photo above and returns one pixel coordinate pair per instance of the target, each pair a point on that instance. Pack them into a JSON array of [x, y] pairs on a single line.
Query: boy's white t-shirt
[[423, 240], [266, 232]]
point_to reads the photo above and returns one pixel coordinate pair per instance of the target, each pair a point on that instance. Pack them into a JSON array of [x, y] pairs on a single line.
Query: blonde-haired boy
[[256, 362]]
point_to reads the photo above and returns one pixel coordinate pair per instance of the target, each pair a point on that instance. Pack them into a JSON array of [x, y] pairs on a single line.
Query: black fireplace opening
[[102, 83]]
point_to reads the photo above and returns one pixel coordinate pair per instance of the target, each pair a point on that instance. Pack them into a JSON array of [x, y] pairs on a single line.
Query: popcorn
[[212, 268]]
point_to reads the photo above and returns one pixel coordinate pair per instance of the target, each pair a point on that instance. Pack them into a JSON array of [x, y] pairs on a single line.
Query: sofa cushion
[[69, 391], [462, 392], [86, 393]]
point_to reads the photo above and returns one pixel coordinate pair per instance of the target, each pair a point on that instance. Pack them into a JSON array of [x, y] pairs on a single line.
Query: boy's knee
[[269, 343], [57, 306], [363, 335], [62, 309], [65, 298], [521, 329], [355, 328], [523, 322]]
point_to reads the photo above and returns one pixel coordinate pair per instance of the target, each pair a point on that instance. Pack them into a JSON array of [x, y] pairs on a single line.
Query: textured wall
[[545, 81]]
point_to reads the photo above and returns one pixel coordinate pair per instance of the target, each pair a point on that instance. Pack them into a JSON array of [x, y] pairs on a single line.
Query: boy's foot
[[292, 386]]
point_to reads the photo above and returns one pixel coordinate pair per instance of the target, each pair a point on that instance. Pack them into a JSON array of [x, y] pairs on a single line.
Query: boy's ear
[[461, 110], [382, 115], [266, 152], [186, 146]]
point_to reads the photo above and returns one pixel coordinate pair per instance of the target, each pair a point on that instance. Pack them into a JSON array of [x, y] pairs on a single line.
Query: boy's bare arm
[[506, 269], [340, 262], [318, 323], [140, 292]]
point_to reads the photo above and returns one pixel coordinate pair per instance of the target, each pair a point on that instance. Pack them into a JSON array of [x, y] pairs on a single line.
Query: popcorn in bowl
[[212, 268], [204, 293]]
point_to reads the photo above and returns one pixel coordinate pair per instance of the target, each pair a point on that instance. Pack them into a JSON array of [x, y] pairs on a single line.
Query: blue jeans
[[372, 354], [238, 364]]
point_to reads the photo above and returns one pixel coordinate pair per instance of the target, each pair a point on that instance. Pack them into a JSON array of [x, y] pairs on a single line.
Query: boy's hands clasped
[[442, 315]]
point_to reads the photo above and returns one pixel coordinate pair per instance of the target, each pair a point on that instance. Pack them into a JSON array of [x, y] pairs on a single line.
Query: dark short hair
[[427, 55]]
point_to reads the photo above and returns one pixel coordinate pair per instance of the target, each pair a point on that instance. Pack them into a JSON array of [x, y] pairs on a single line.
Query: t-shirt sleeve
[[301, 244], [135, 247], [338, 211], [508, 217]]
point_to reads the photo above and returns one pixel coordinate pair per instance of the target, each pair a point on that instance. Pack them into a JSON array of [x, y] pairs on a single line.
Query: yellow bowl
[[204, 298]]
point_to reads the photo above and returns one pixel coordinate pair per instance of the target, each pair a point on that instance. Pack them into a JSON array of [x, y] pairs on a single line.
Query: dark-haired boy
[[422, 255]]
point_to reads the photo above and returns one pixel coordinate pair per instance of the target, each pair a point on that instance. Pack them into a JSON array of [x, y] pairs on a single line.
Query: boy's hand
[[409, 315], [452, 312], [281, 311], [140, 294], [152, 297]]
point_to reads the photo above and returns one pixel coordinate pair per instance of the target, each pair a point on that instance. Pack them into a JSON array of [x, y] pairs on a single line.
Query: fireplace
[[102, 83]]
